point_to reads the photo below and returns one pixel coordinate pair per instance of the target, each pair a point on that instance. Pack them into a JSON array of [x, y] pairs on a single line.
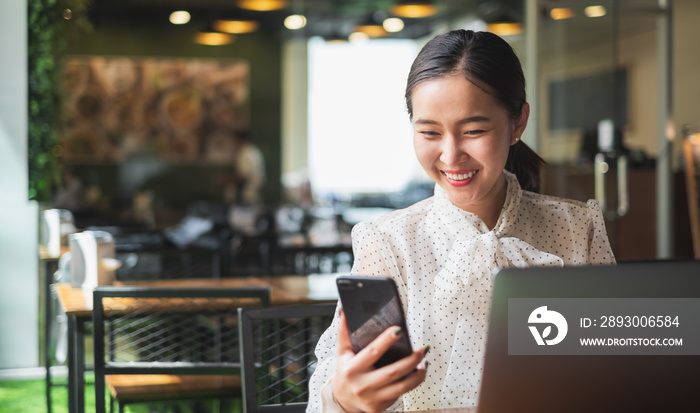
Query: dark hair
[[489, 62]]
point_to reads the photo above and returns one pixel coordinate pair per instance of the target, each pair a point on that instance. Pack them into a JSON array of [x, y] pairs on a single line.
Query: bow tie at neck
[[478, 251]]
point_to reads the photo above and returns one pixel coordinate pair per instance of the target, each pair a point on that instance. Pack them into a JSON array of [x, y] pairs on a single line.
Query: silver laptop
[[622, 338]]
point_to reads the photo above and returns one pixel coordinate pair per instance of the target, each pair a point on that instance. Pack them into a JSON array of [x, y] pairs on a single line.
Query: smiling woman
[[462, 136], [465, 95]]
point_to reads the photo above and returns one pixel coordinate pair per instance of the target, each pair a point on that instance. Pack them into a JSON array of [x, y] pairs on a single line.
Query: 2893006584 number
[[639, 321]]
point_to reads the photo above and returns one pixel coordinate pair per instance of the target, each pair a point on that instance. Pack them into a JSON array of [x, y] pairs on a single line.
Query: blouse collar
[[468, 223]]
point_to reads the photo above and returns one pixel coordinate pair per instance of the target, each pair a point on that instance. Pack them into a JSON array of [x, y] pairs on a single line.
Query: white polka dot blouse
[[442, 259]]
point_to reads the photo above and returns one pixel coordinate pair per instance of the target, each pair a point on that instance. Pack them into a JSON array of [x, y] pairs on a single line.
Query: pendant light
[[262, 5], [414, 9], [213, 38], [371, 27], [235, 26]]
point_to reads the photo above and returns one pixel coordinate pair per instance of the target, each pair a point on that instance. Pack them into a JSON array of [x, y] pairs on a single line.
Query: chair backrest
[[277, 352], [176, 331]]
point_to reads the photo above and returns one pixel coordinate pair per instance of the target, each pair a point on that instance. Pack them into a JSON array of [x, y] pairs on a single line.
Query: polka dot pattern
[[442, 259]]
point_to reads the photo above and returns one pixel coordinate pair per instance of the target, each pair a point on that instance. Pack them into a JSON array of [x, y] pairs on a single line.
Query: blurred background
[[254, 127]]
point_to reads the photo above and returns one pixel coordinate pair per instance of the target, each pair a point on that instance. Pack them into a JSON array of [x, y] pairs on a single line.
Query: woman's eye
[[429, 133], [474, 132]]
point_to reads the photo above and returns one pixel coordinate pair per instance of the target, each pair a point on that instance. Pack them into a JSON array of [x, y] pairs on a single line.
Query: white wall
[[19, 289], [294, 114]]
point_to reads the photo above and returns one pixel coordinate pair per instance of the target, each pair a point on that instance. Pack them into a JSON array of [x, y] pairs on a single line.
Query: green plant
[[26, 396], [50, 23]]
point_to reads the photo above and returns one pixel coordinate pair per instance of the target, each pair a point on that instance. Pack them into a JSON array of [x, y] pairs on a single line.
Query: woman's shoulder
[[553, 204]]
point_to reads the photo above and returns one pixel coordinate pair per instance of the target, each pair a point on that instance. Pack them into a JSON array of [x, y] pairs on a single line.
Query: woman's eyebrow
[[474, 119], [461, 122]]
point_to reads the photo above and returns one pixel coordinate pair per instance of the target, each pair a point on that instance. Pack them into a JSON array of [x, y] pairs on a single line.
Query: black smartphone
[[371, 305]]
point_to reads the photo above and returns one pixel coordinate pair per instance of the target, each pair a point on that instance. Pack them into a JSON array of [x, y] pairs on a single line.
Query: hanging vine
[[50, 25]]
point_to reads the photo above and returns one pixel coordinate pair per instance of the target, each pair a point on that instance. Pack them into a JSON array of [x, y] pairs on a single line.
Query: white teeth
[[460, 177]]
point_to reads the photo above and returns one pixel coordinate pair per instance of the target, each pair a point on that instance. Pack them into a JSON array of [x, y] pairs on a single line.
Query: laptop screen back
[[551, 365]]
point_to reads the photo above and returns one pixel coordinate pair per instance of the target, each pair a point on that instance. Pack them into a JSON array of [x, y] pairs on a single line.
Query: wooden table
[[77, 305]]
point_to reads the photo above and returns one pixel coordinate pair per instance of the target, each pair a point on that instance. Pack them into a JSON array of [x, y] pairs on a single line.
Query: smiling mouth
[[460, 177]]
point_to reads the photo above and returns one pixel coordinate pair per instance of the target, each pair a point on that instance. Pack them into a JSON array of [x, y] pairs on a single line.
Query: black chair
[[277, 352], [165, 344]]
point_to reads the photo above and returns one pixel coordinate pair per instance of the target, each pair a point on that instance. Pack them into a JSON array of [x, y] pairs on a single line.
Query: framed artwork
[[172, 109]]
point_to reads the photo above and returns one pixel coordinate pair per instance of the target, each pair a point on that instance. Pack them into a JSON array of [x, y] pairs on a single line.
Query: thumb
[[344, 342]]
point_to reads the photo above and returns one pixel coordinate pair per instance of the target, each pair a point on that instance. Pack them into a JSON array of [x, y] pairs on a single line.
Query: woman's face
[[461, 137]]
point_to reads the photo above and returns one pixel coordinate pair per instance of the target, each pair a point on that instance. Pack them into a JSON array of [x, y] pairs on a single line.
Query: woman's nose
[[452, 152]]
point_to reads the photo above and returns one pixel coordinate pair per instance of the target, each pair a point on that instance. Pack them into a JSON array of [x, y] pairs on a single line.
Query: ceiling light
[[393, 25], [235, 26], [357, 37], [371, 28], [595, 11], [213, 38], [505, 29], [414, 9], [262, 5], [295, 22], [179, 17], [561, 13]]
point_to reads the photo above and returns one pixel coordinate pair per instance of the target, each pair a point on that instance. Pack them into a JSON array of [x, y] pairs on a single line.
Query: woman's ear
[[520, 124]]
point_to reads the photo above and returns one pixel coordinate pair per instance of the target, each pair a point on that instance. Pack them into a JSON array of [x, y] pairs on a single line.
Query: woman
[[466, 98]]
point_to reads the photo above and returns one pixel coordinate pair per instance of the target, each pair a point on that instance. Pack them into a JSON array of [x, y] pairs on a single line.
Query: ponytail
[[527, 166]]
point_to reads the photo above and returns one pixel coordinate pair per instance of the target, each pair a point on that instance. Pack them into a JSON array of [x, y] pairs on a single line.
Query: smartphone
[[371, 305]]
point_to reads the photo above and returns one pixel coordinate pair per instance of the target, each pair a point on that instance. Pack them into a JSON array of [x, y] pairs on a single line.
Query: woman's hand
[[360, 387]]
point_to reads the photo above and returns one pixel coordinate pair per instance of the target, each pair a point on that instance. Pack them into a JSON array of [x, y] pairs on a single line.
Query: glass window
[[360, 136]]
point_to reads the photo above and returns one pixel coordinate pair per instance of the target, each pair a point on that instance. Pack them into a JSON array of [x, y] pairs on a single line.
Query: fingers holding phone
[[371, 305], [366, 360], [359, 386], [396, 372], [376, 364]]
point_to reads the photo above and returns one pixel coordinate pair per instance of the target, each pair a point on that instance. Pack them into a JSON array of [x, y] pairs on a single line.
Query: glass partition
[[600, 103]]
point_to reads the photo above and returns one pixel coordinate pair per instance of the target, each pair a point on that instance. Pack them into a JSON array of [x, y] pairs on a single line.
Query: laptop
[[622, 338]]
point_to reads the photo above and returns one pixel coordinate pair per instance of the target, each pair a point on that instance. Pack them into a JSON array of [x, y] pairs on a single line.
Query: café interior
[[148, 96]]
